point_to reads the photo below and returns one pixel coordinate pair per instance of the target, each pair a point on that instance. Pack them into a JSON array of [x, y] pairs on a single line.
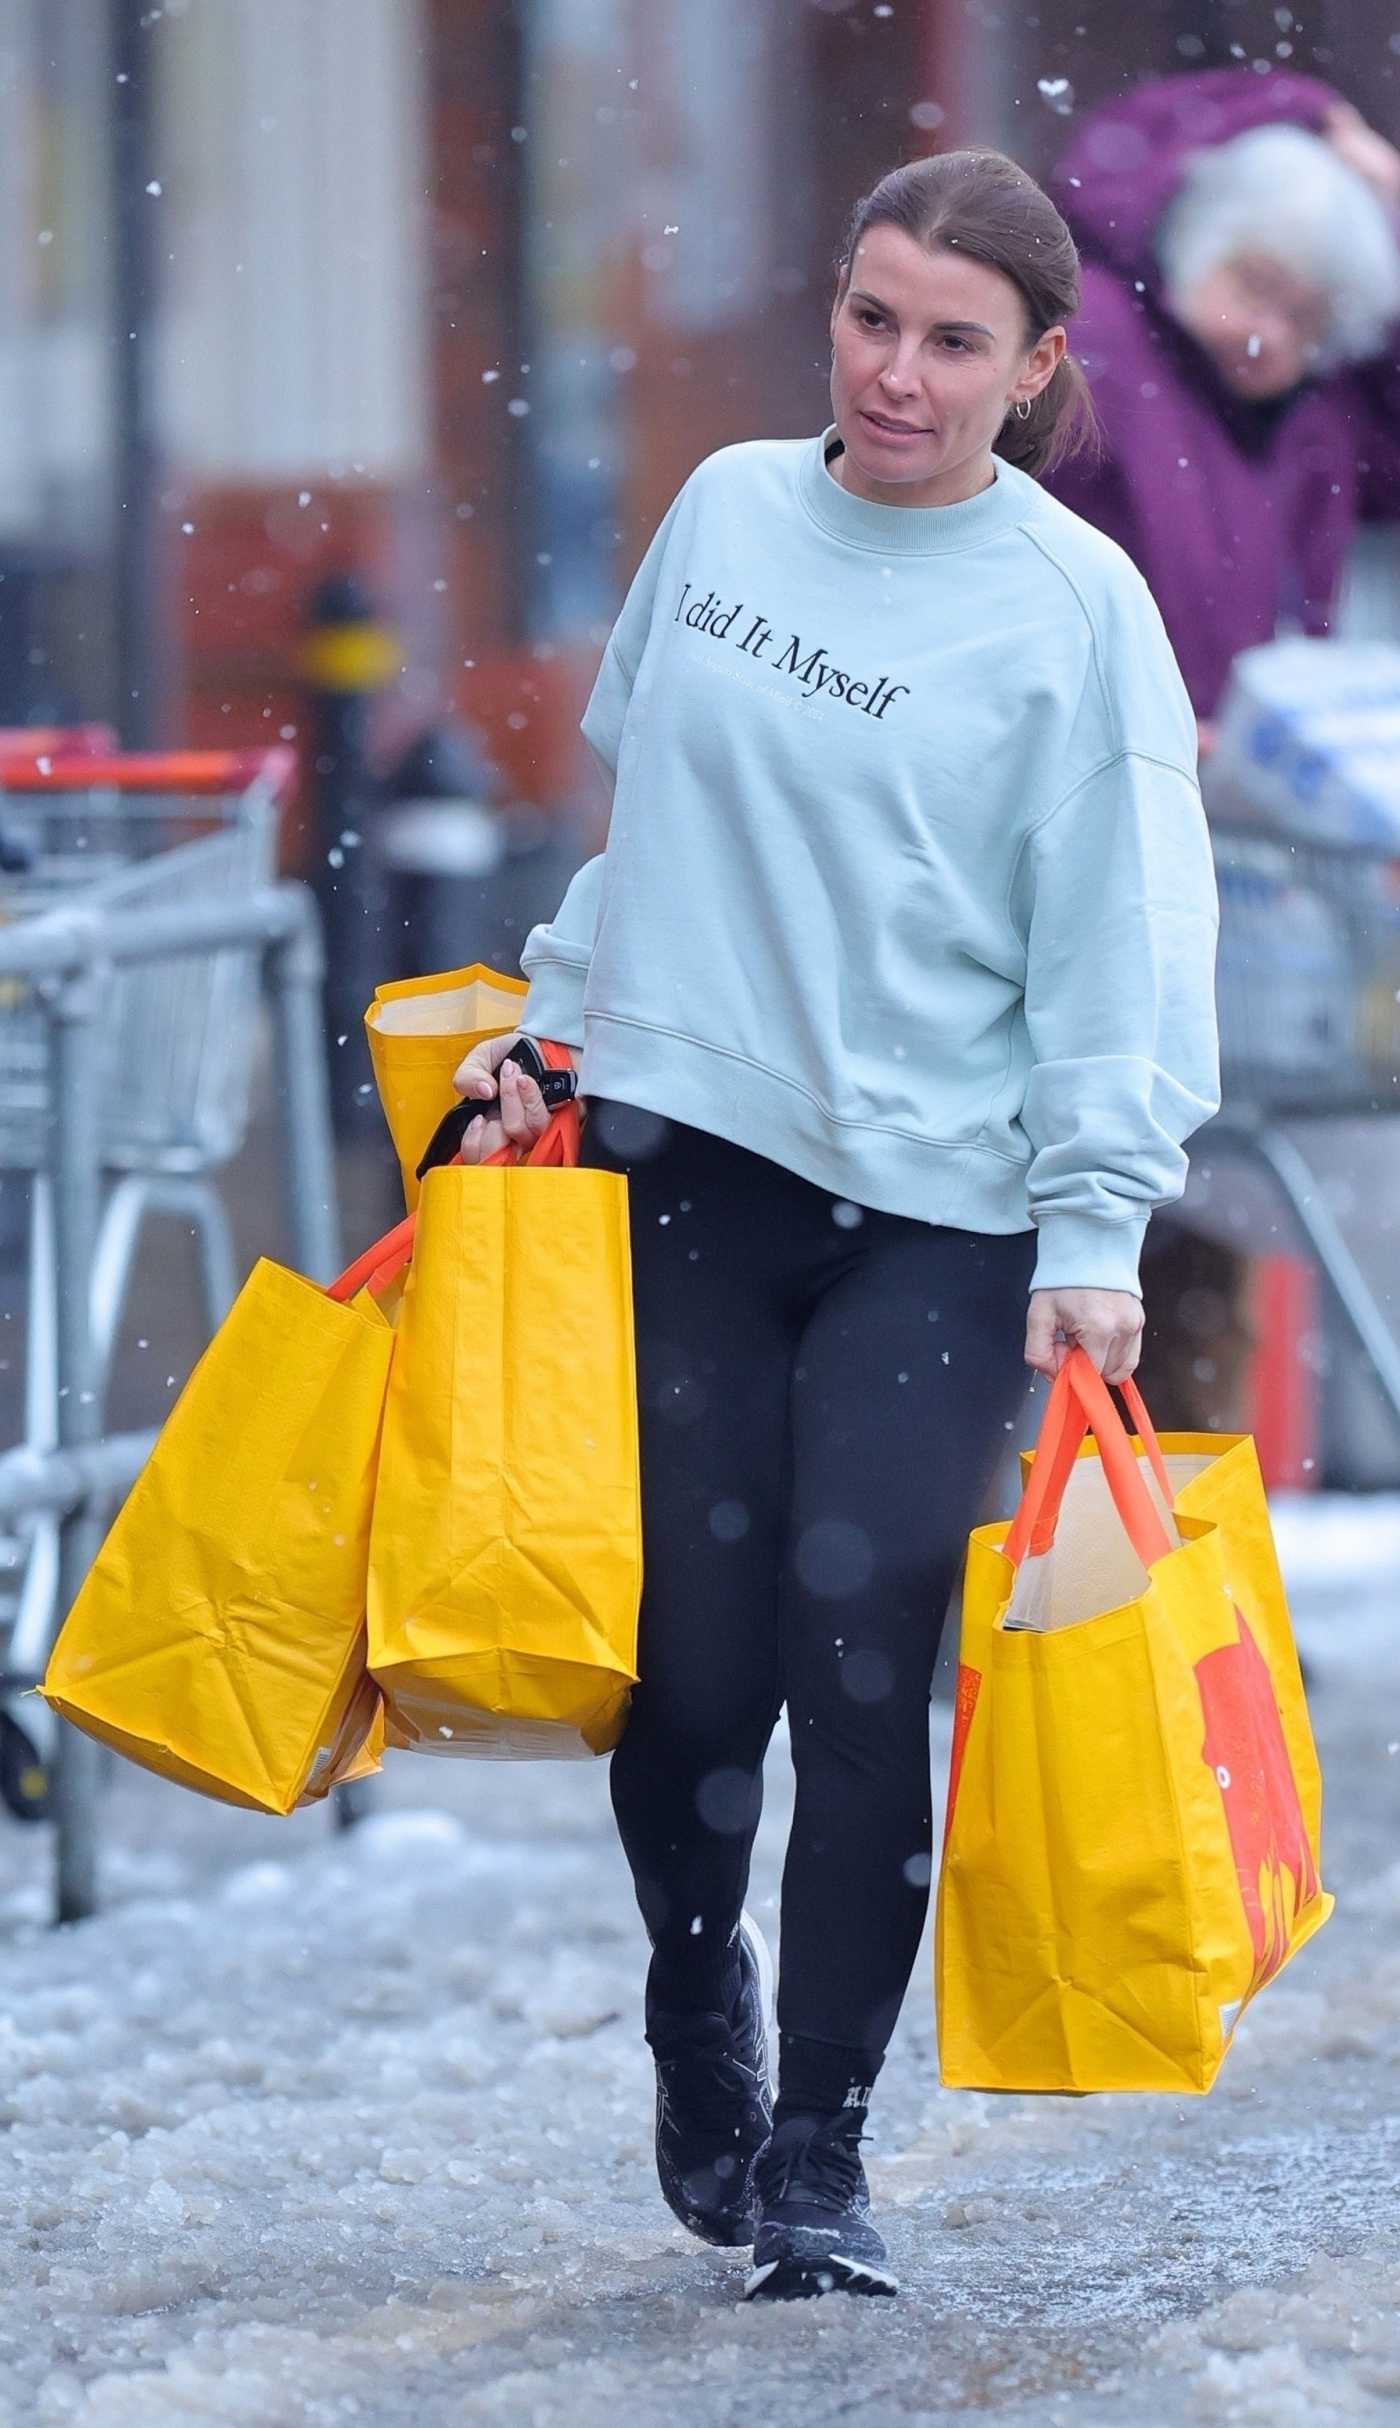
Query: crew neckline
[[909, 530]]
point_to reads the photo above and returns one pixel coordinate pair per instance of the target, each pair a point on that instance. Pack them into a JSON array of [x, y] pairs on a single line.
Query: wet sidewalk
[[310, 2129]]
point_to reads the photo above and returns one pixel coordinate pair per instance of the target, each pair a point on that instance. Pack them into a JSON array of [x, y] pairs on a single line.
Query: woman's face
[[1262, 324], [928, 353]]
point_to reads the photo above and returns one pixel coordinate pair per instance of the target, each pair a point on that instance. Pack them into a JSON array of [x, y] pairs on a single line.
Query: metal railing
[[68, 959]]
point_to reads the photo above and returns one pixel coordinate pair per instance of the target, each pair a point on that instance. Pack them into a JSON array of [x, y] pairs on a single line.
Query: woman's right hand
[[524, 1114], [1356, 142]]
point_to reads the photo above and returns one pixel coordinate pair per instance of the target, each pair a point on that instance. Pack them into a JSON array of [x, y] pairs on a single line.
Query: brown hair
[[985, 206]]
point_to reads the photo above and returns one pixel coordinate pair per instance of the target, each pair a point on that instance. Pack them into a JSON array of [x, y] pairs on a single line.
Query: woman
[[892, 991], [1238, 330]]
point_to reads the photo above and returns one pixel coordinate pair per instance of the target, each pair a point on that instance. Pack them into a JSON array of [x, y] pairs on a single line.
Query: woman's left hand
[[1105, 1324]]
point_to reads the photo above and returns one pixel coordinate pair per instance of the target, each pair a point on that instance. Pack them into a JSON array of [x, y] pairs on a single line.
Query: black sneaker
[[814, 2231], [714, 2104]]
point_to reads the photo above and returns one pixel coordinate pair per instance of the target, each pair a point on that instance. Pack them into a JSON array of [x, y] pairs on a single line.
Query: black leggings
[[824, 1392]]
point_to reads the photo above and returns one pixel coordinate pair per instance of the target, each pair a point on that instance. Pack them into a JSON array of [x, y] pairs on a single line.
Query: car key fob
[[556, 1087]]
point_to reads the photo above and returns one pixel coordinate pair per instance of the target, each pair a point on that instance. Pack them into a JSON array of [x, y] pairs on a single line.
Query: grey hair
[[1283, 192]]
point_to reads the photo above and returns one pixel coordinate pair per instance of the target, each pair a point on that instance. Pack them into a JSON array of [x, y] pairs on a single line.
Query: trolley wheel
[[26, 1782]]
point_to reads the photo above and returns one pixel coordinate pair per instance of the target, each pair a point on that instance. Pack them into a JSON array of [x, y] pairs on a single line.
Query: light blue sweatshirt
[[907, 885]]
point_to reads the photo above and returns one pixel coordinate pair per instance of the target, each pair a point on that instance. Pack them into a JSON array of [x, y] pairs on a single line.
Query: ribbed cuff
[[553, 1005], [1082, 1252]]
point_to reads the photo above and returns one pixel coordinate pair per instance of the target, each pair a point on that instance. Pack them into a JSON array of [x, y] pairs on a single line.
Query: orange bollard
[[1282, 1396]]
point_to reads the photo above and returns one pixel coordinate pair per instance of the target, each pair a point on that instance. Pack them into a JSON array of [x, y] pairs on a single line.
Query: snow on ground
[[308, 2128]]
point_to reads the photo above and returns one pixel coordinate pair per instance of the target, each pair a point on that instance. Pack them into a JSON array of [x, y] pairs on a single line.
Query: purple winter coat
[[1237, 513]]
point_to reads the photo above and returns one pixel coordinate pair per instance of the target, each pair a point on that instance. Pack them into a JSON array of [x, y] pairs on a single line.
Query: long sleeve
[[1118, 890], [555, 959], [557, 953], [611, 695], [1124, 162]]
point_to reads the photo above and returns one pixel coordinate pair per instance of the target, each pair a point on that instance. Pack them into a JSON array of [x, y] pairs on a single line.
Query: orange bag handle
[[366, 1267], [1065, 1425], [1080, 1402], [386, 1259]]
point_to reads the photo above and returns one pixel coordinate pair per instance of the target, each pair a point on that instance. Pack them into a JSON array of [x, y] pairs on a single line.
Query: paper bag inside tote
[[419, 1030], [1091, 1564]]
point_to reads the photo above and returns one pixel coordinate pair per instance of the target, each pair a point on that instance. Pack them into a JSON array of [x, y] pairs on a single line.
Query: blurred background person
[[1239, 333]]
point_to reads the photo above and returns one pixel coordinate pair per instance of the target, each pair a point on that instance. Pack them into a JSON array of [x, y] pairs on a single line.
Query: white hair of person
[[1284, 193]]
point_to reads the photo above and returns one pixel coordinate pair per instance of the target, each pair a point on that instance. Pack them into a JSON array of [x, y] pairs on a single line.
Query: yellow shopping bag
[[219, 1638], [1134, 1804], [418, 1032], [505, 1558]]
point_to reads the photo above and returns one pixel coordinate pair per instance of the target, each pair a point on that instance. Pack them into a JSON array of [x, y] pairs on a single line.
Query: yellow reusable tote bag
[[505, 1559], [219, 1637], [1132, 1841], [419, 1030]]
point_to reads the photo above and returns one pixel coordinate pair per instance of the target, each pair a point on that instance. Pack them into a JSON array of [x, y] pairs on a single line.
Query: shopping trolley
[[122, 833], [1308, 989]]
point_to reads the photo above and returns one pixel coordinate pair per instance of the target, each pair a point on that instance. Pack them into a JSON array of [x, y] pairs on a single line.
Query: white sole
[[804, 2279]]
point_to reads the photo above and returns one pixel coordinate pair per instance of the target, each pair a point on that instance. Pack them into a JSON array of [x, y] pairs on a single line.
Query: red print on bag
[[1245, 1747], [969, 1687]]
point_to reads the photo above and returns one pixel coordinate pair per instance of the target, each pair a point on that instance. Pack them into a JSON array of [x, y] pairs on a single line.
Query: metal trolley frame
[[129, 987], [113, 834], [1308, 986], [70, 960]]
